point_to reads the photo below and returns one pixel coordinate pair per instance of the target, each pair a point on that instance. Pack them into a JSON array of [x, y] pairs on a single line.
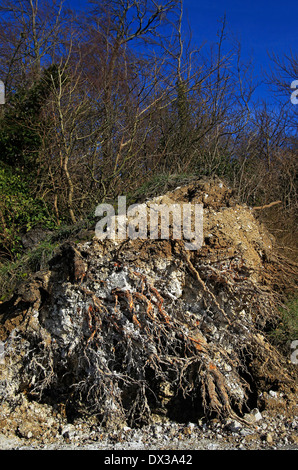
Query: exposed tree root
[[125, 331]]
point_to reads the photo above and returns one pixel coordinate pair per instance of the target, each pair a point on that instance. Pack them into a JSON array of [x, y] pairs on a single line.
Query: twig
[[266, 206]]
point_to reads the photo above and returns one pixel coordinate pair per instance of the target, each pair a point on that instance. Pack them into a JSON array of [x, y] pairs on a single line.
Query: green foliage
[[10, 276], [14, 272], [20, 137], [159, 183], [20, 142], [19, 210], [287, 330]]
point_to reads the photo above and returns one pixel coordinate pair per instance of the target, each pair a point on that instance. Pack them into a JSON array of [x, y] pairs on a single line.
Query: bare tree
[[29, 38]]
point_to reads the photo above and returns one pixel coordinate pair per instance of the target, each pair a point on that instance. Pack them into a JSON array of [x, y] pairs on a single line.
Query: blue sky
[[262, 27]]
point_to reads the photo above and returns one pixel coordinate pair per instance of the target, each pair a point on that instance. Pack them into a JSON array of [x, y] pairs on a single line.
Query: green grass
[[14, 272], [159, 184], [287, 330]]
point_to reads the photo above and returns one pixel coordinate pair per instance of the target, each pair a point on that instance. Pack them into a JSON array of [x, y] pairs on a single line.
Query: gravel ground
[[264, 433]]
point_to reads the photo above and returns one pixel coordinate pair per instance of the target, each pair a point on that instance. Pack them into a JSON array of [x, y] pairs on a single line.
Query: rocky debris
[[124, 332], [42, 430], [254, 416]]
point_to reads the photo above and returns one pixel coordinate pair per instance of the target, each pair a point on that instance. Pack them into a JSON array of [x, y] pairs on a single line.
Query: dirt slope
[[123, 332]]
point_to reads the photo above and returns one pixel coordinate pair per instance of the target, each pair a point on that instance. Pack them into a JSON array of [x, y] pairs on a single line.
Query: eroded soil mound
[[126, 330]]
